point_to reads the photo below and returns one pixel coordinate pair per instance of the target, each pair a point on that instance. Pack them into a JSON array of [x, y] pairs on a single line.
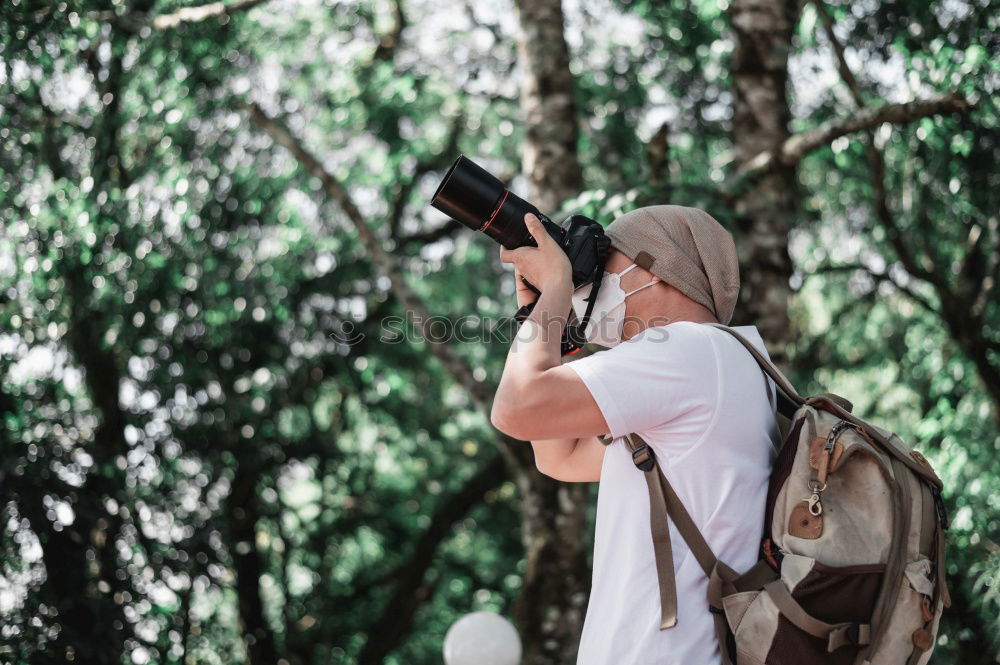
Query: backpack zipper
[[835, 431], [816, 486]]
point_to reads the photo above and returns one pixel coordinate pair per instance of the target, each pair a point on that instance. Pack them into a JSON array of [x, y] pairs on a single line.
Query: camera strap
[[591, 299], [574, 336]]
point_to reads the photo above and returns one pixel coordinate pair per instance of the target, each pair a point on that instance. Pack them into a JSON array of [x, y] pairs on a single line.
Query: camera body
[[585, 244]]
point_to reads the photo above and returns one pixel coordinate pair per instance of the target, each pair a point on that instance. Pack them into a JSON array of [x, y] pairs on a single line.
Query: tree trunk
[[414, 584], [75, 595], [81, 561], [85, 580], [550, 610], [243, 512], [762, 31], [547, 102], [551, 607]]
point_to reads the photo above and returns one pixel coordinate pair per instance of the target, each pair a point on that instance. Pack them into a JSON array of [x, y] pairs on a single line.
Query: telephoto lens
[[471, 195]]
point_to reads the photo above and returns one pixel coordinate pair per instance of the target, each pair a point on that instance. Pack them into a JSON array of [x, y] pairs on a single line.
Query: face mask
[[608, 318]]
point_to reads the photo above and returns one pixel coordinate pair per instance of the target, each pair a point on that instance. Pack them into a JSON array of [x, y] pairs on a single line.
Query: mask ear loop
[[627, 270], [633, 267], [644, 286], [655, 280]]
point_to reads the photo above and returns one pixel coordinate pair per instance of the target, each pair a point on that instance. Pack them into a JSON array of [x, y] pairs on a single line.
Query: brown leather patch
[[644, 260], [838, 450], [867, 437], [921, 460], [925, 610], [803, 524], [922, 639], [816, 452]]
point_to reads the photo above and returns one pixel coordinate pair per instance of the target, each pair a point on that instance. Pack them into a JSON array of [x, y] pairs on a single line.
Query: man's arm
[[570, 460], [538, 398]]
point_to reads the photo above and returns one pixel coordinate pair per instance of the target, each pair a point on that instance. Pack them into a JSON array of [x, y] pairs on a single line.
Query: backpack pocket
[[913, 621], [843, 597], [753, 619], [854, 442], [859, 482]]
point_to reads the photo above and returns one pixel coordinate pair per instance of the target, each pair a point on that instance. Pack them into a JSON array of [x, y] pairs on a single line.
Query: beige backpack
[[851, 569]]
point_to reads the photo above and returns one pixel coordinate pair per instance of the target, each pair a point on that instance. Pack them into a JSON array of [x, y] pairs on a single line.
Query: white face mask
[[608, 317]]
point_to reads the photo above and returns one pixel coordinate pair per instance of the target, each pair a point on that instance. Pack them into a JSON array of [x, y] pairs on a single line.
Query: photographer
[[691, 391]]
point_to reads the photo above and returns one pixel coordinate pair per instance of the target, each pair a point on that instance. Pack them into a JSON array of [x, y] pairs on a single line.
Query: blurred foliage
[[210, 438]]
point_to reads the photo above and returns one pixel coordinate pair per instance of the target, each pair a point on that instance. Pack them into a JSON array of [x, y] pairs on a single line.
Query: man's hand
[[545, 266], [538, 399], [525, 296]]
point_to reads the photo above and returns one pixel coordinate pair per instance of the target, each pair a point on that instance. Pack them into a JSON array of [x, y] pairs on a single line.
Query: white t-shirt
[[699, 399]]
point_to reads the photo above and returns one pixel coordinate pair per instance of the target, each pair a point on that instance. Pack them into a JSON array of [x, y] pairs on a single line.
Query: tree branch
[[875, 160], [879, 277], [799, 145], [838, 49], [425, 166], [388, 43], [386, 264], [395, 621], [957, 309], [135, 22], [980, 266], [446, 230], [201, 13]]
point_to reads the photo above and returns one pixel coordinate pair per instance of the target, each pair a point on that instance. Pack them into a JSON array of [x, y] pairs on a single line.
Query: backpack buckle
[[643, 457]]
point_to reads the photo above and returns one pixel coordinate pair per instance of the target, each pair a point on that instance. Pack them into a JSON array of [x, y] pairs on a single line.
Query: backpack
[[851, 568]]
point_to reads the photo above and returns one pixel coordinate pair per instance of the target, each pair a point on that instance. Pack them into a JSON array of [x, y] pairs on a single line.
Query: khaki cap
[[686, 248]]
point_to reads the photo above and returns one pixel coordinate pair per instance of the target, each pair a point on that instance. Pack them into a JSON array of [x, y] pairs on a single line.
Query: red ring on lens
[[493, 216]]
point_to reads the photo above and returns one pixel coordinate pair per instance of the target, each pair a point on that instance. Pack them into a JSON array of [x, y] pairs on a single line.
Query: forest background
[[212, 450]]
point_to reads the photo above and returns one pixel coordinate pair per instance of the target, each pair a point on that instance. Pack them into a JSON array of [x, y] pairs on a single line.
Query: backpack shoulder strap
[[663, 501], [789, 401], [664, 494]]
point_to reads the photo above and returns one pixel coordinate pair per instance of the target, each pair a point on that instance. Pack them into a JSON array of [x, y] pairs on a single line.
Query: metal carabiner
[[815, 507]]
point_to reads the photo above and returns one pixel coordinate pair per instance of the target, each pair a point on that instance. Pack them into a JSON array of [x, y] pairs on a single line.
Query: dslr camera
[[473, 197]]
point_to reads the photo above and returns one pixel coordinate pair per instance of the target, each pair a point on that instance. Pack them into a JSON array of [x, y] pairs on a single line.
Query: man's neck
[[682, 310]]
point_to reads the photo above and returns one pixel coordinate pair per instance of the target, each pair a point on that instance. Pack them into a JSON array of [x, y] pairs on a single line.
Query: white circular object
[[482, 638]]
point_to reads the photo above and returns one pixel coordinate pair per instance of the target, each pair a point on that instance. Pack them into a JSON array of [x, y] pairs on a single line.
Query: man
[[692, 392]]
